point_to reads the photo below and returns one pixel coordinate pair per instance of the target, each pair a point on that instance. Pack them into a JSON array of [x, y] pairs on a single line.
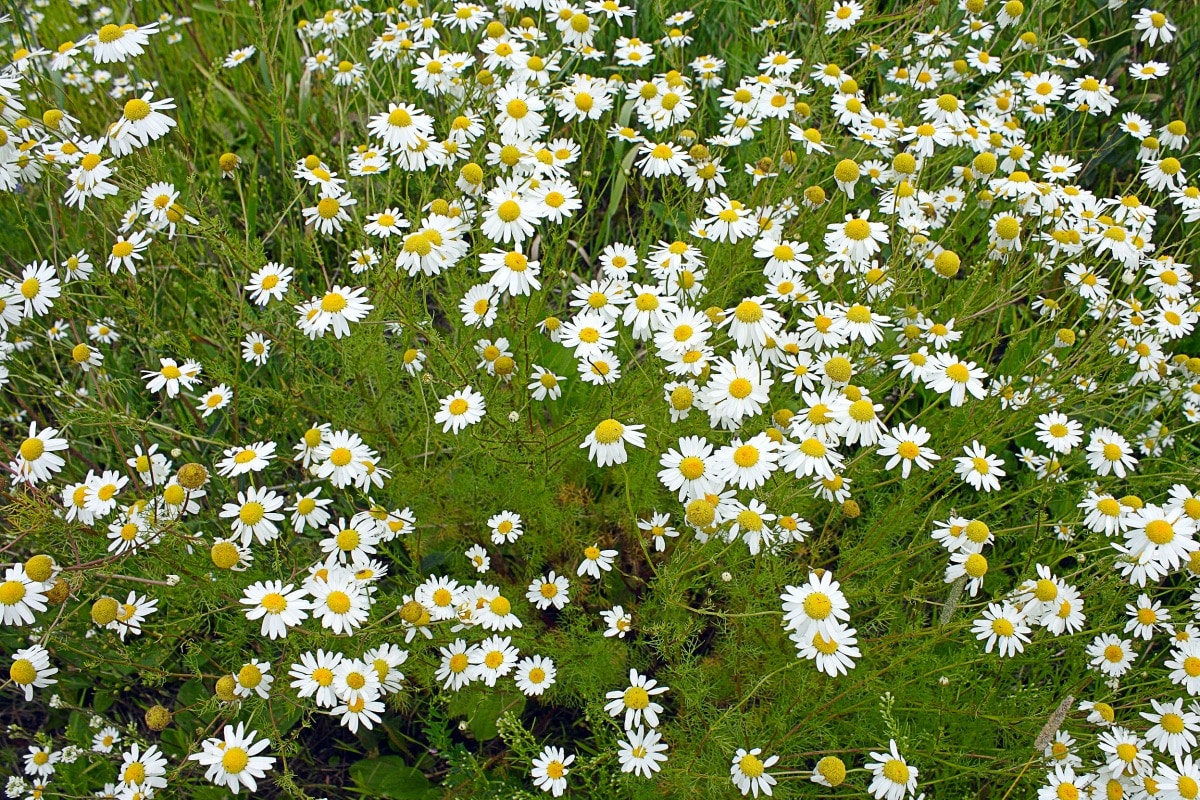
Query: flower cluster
[[942, 293]]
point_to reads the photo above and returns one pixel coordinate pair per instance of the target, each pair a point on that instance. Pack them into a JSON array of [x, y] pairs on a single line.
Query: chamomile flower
[[834, 651], [170, 375], [336, 309], [1165, 535], [114, 43], [658, 528], [544, 384], [37, 456], [617, 622], [142, 770], [534, 675], [30, 669], [233, 760], [1002, 624], [1174, 729], [279, 607], [254, 515], [947, 374], [493, 658], [339, 602], [660, 159], [142, 122], [505, 527], [739, 387], [479, 558], [214, 400], [341, 458], [496, 614], [330, 212], [843, 16], [510, 216], [749, 772], [606, 443], [511, 273], [1153, 26], [905, 446], [637, 701], [550, 770], [642, 752], [37, 287], [748, 464], [245, 459], [857, 239], [1109, 452], [1058, 432], [254, 678], [1111, 655], [595, 561], [460, 409], [106, 739], [893, 778], [979, 468], [440, 596], [354, 679], [20, 597], [816, 606], [401, 126]]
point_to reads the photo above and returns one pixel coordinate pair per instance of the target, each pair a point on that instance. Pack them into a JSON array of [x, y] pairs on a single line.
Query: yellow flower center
[[895, 771], [748, 312], [332, 303], [609, 431], [109, 34], [1160, 531], [509, 211], [328, 208], [11, 593], [958, 373], [32, 449], [249, 676], [1045, 590], [399, 118], [691, 468], [857, 229], [818, 605], [135, 773], [1008, 227], [234, 760], [136, 110], [274, 602], [751, 766], [348, 539], [252, 513], [338, 602], [740, 388], [636, 698]]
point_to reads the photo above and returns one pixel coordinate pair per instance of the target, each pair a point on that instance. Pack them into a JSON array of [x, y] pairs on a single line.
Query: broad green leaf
[[390, 777]]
